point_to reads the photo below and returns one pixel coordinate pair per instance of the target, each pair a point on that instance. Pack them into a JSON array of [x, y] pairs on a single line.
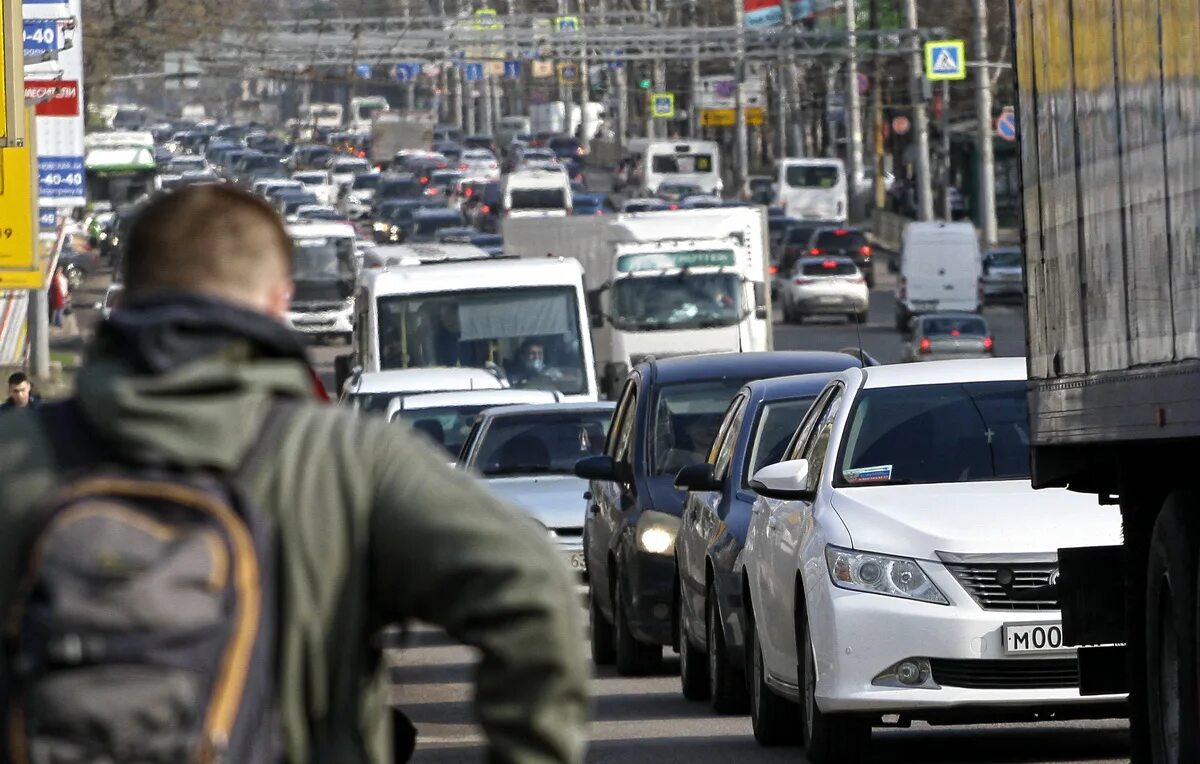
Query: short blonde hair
[[207, 238]]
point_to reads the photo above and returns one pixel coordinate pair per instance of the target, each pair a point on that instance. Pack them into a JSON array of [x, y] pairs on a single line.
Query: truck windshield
[[952, 433], [684, 164], [811, 176], [532, 333], [679, 301], [537, 199], [323, 259]]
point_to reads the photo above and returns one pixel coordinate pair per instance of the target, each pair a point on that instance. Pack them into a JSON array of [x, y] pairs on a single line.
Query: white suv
[[900, 562]]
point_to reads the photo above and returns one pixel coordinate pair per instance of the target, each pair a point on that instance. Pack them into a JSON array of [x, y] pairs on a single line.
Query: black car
[[395, 186], [757, 428], [839, 241], [667, 418], [394, 219], [427, 222], [485, 212]]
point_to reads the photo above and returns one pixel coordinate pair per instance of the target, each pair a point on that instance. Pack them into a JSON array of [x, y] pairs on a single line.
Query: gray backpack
[[145, 628]]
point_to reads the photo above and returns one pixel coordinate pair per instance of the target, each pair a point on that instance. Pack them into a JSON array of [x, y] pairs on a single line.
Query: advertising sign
[[769, 13], [60, 117], [720, 92]]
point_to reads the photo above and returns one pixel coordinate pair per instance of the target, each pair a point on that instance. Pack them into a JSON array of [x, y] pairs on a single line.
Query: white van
[[811, 189], [537, 193], [940, 268], [696, 162]]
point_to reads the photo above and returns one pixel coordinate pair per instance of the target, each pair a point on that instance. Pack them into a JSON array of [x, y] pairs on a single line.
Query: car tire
[[693, 666], [774, 719], [828, 738], [604, 650], [1171, 582], [633, 657], [726, 684]]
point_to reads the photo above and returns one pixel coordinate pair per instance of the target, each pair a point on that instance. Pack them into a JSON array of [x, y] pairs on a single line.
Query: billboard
[[53, 29], [769, 13]]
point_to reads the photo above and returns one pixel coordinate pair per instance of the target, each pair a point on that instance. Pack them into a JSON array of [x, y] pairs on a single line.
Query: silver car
[[1003, 275], [527, 455], [945, 336]]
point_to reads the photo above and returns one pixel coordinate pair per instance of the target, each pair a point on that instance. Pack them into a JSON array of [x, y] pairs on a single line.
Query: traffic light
[[644, 84]]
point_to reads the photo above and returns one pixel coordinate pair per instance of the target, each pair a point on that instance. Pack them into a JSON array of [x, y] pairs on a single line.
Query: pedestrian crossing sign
[[945, 60]]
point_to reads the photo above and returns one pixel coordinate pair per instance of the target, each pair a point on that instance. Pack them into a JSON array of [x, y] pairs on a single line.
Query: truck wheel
[[634, 657], [1171, 573], [772, 717], [693, 667], [726, 685], [828, 738], [604, 651]]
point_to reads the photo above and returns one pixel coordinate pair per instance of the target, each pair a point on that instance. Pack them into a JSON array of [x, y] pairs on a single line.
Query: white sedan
[[825, 286], [899, 562], [479, 163]]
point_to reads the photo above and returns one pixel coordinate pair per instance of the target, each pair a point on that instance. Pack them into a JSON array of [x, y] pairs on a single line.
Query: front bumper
[[960, 639], [650, 584]]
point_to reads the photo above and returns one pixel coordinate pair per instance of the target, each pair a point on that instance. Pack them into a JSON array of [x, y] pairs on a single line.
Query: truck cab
[[324, 271]]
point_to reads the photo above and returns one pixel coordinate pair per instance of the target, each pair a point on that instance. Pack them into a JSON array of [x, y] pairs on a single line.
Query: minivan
[[811, 189], [537, 193], [940, 266]]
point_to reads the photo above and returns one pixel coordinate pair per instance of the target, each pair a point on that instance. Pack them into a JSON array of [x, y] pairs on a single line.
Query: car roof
[[946, 372], [759, 365], [426, 380], [795, 385], [506, 396], [547, 409], [318, 229]]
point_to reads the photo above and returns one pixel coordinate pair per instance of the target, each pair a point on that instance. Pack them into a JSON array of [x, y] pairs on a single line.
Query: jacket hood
[[992, 517], [183, 379]]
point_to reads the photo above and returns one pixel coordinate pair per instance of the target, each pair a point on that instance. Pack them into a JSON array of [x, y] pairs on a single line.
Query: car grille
[[1009, 586], [1015, 674], [318, 307]]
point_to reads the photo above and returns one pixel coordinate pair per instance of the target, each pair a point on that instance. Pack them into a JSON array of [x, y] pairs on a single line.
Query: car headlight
[[656, 532], [881, 574], [380, 226]]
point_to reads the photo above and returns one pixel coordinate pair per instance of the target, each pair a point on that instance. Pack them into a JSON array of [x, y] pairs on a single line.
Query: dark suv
[[837, 241], [667, 418]]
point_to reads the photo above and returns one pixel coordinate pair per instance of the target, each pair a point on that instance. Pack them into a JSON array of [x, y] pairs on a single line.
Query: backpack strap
[[77, 444]]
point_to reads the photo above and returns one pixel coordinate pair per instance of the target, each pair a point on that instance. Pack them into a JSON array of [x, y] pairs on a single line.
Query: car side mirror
[[697, 477], [761, 313], [603, 468], [785, 480]]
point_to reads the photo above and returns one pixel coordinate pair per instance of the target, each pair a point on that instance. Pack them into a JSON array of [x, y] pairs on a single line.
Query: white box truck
[[662, 283]]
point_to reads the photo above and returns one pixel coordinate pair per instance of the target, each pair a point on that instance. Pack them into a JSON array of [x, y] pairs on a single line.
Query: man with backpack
[[196, 556]]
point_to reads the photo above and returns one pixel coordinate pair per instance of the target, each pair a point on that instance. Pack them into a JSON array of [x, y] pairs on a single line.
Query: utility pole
[[469, 87], [585, 88], [694, 76], [944, 123], [854, 153], [657, 127], [487, 127], [742, 159], [788, 81], [983, 109], [880, 192], [920, 114]]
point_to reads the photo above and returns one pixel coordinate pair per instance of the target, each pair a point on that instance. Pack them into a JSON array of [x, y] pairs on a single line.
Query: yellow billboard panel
[[19, 268]]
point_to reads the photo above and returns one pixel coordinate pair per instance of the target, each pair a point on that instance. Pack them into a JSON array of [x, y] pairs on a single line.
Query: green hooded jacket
[[375, 528]]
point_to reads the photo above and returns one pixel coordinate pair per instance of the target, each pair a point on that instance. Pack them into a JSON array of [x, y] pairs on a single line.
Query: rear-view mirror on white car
[[785, 480]]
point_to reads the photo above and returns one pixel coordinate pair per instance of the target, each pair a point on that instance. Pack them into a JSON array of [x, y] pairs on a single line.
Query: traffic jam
[[814, 540]]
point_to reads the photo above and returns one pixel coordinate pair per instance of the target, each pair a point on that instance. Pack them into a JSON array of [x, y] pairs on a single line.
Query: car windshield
[[686, 417], [537, 198], [818, 267], [448, 426], [427, 226], [678, 301], [811, 176], [541, 444], [685, 164], [532, 333], [840, 239], [953, 326], [950, 433], [1005, 258], [365, 182], [776, 425]]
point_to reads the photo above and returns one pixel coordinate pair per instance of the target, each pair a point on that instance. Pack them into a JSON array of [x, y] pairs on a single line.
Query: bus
[[694, 162], [364, 109], [119, 167]]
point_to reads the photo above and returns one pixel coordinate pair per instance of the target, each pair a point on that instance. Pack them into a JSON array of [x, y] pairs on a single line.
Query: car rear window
[[840, 239], [947, 433], [953, 326], [811, 176], [799, 235], [542, 444], [828, 268], [538, 199]]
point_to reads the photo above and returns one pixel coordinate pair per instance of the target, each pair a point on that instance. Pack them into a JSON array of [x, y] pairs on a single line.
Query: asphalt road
[[647, 720]]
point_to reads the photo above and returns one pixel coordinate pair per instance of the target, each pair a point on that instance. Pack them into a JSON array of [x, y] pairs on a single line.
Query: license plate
[[924, 304], [1028, 638], [575, 561], [831, 300]]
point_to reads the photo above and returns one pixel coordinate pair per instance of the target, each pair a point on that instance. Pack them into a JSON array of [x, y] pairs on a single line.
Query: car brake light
[[773, 270], [674, 207], [814, 251], [864, 250], [486, 209], [988, 344], [926, 346], [424, 178], [462, 166], [840, 232], [830, 264], [434, 191]]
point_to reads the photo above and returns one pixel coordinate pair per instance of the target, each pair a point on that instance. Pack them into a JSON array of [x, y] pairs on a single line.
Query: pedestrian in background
[[60, 296], [20, 392]]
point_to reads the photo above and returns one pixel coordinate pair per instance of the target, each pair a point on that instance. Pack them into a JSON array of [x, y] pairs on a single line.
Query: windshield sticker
[[880, 474]]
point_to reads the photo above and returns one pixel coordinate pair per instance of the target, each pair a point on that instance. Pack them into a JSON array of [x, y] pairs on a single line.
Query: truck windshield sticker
[[880, 474], [662, 261]]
